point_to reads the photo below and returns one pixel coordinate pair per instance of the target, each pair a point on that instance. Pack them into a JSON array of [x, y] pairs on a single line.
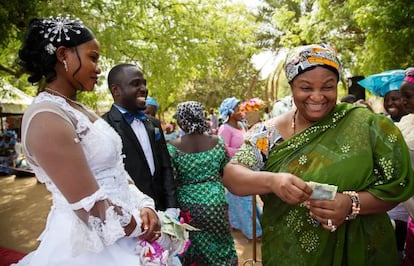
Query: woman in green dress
[[198, 160], [362, 155]]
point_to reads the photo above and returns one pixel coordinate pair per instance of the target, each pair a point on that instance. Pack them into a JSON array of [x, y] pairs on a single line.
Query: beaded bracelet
[[356, 204]]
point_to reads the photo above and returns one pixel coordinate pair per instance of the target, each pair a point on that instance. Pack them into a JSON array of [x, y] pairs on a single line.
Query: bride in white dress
[[98, 216]]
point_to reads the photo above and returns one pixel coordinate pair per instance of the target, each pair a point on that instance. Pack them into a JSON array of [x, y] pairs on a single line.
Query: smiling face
[[82, 63], [132, 91], [393, 105], [407, 94], [237, 115], [315, 93]]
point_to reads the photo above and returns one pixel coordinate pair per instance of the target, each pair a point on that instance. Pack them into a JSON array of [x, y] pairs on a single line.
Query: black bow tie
[[129, 116]]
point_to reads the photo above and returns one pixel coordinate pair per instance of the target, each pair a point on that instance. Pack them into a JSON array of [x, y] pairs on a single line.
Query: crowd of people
[[129, 189]]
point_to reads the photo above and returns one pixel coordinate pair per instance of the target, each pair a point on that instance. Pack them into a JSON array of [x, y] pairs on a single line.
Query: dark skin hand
[[336, 210], [151, 225]]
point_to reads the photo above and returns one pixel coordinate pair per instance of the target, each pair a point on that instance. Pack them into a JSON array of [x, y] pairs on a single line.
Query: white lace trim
[[88, 202], [97, 234]]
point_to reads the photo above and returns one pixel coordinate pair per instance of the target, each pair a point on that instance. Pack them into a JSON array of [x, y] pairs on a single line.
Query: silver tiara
[[59, 27]]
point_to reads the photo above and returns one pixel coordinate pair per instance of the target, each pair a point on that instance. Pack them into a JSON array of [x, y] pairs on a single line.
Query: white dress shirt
[[141, 132]]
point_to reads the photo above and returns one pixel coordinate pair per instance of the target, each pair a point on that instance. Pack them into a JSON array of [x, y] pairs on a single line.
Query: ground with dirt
[[25, 203]]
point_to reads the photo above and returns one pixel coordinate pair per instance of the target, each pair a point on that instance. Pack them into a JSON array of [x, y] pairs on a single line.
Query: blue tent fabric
[[384, 82]]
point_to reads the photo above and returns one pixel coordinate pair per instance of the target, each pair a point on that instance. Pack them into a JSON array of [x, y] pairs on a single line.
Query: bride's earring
[[65, 64]]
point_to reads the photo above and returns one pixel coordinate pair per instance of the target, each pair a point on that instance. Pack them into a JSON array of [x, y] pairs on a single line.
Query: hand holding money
[[322, 191]]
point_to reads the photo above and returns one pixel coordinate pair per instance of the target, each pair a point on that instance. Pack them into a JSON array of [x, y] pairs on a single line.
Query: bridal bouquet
[[174, 241]]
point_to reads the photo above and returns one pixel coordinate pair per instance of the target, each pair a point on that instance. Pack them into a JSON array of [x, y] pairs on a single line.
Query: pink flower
[[185, 217]]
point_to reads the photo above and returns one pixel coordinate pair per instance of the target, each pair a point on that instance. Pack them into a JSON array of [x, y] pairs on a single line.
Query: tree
[[371, 35], [180, 45]]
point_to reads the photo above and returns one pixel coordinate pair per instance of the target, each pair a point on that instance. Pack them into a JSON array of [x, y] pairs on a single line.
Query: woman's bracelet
[[356, 204]]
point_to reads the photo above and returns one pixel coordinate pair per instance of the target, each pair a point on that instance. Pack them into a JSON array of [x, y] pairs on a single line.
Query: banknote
[[322, 191]]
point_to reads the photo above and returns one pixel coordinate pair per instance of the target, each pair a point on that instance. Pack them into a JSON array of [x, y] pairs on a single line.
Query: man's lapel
[[126, 130], [150, 130]]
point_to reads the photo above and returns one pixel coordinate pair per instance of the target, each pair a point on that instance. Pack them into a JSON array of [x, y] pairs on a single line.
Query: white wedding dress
[[67, 240]]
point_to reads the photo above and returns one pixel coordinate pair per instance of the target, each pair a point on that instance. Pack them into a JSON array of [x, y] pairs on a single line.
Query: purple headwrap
[[409, 75]]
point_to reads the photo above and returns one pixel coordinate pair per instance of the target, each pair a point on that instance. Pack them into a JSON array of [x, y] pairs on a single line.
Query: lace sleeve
[[96, 232], [99, 232]]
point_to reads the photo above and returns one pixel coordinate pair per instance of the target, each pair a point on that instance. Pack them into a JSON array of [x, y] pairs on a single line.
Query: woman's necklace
[[294, 122], [77, 106], [56, 93]]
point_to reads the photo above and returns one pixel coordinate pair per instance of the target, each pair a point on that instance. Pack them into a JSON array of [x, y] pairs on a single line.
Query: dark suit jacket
[[159, 187]]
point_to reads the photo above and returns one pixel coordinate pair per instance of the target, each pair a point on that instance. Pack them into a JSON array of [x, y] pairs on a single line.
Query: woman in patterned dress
[[198, 160], [232, 132], [362, 153]]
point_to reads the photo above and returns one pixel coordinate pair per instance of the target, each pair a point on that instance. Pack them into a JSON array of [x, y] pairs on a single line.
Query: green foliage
[[371, 35], [201, 50], [389, 28], [14, 17], [180, 45]]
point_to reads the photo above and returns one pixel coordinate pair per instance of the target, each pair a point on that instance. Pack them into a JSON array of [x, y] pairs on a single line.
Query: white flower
[[303, 159], [50, 49]]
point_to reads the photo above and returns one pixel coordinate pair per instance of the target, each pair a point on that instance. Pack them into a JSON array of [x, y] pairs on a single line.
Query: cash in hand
[[322, 191]]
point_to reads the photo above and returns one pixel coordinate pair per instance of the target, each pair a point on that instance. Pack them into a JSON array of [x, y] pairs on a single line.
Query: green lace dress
[[352, 148], [200, 193]]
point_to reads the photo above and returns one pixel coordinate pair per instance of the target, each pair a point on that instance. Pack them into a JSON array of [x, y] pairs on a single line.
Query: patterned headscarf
[[409, 75], [308, 56], [190, 117], [227, 108]]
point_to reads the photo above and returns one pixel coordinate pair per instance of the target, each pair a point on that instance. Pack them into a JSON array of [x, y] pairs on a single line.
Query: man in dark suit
[[146, 156]]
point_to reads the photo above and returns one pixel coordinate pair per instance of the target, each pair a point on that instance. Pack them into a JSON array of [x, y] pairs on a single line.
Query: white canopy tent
[[13, 103], [13, 100]]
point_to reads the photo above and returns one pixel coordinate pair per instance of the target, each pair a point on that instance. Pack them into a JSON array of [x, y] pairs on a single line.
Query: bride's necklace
[[77, 105], [56, 93]]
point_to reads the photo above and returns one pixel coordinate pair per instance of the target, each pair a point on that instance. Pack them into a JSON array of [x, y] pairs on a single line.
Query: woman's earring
[[65, 64]]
